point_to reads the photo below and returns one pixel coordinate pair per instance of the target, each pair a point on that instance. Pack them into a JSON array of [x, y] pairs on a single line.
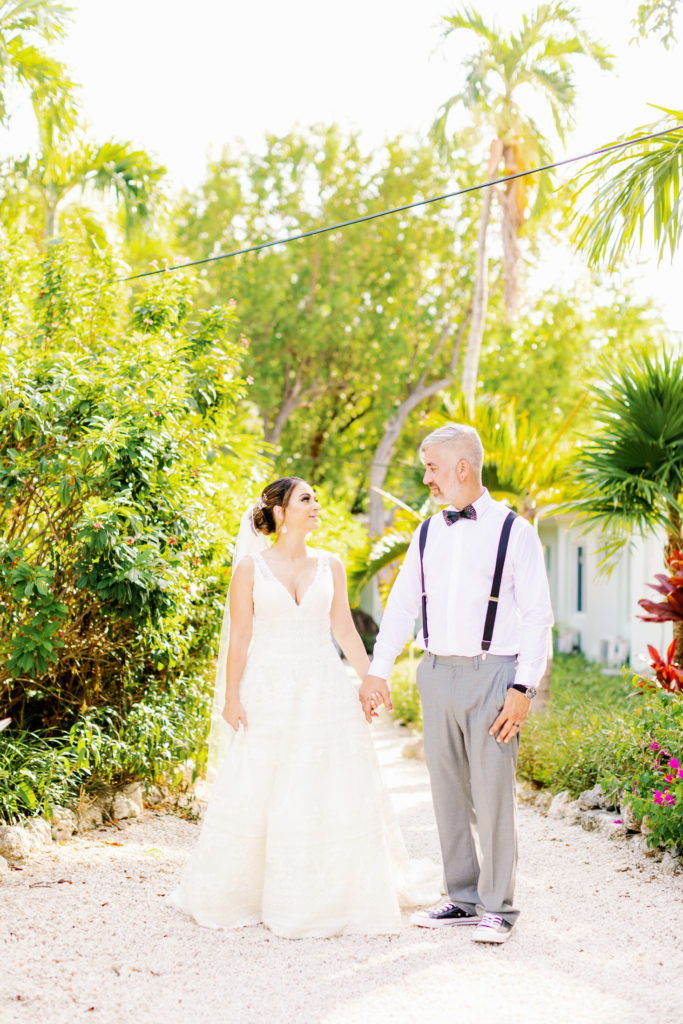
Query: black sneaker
[[447, 914]]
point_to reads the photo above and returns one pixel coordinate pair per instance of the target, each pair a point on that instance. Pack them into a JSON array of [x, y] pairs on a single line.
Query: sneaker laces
[[444, 908], [491, 920]]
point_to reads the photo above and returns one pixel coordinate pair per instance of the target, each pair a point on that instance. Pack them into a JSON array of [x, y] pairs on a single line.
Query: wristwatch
[[528, 691]]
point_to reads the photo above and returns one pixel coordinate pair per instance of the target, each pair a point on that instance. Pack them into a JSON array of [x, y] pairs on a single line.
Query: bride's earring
[[284, 528]]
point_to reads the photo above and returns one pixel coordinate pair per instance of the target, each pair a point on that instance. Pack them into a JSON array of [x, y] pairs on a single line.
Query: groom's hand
[[373, 692]]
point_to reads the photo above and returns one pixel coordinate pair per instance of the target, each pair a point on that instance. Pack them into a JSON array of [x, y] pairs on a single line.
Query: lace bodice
[[283, 626]]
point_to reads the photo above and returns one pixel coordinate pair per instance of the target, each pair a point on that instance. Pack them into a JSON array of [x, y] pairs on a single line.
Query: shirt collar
[[481, 505]]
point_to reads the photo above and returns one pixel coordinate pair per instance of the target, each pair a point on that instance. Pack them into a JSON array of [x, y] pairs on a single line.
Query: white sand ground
[[86, 934]]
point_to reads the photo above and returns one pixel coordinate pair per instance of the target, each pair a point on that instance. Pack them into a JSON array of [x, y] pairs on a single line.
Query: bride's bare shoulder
[[243, 572]]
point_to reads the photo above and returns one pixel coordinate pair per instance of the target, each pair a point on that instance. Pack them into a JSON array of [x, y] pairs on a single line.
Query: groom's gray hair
[[466, 438]]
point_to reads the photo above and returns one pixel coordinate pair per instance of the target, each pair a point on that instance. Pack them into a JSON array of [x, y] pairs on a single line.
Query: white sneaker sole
[[430, 922], [488, 935]]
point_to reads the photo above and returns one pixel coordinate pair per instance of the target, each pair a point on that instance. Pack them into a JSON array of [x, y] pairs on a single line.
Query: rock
[[4, 866], [14, 843], [155, 796], [669, 864], [543, 800], [590, 820], [89, 816], [639, 846], [591, 799], [562, 806], [133, 791], [414, 748], [38, 833], [63, 823], [124, 807], [628, 817]]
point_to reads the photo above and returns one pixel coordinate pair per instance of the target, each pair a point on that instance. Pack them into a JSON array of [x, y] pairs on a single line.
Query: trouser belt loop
[[475, 663]]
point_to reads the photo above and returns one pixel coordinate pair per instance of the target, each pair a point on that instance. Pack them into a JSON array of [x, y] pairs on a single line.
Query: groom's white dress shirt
[[459, 562]]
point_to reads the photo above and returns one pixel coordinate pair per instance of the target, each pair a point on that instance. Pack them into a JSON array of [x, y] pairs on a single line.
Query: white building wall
[[601, 620]]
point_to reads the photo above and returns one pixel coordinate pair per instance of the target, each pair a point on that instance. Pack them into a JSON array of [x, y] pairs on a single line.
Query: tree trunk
[[392, 431], [678, 637], [475, 337], [512, 222]]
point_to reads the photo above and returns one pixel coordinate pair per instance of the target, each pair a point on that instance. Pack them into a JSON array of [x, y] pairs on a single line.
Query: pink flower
[[232, 303], [635, 786], [669, 778], [250, 380], [680, 773], [657, 797], [673, 763], [654, 746], [97, 526], [155, 412], [670, 799]]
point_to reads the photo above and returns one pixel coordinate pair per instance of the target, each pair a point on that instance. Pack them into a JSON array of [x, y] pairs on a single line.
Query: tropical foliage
[[634, 191], [539, 57]]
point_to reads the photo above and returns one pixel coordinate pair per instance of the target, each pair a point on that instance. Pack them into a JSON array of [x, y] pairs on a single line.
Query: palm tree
[[22, 63], [540, 58], [629, 477], [637, 188], [67, 168]]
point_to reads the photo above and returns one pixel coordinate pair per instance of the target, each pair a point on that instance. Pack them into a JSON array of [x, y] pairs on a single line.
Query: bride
[[299, 833]]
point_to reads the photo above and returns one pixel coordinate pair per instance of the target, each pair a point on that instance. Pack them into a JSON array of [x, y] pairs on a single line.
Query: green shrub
[[111, 563], [587, 726], [404, 693]]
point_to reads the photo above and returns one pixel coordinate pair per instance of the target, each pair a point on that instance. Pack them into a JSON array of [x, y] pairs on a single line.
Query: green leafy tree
[[539, 57], [547, 360], [347, 332]]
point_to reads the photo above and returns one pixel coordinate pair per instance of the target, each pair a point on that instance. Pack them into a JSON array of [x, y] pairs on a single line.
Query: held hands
[[373, 692], [234, 714], [512, 717]]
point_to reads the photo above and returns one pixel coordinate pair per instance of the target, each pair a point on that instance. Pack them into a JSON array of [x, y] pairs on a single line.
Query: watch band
[[528, 691]]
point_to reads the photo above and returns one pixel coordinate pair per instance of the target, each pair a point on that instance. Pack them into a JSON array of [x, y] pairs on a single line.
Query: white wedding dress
[[299, 832]]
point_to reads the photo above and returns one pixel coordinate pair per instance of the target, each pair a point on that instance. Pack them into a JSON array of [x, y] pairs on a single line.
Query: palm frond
[[365, 563], [629, 475], [624, 192]]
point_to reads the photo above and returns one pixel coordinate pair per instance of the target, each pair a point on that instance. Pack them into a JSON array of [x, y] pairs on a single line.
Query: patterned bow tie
[[451, 515]]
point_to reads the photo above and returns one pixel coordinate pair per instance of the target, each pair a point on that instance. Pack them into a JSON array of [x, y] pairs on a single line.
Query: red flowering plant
[[668, 674]]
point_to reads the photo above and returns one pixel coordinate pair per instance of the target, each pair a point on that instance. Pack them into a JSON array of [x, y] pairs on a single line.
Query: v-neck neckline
[[271, 572]]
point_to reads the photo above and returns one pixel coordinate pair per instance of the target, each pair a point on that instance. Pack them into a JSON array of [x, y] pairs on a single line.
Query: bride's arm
[[241, 626], [345, 633]]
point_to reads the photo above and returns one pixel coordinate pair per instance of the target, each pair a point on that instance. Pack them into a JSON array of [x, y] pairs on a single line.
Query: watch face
[[531, 692]]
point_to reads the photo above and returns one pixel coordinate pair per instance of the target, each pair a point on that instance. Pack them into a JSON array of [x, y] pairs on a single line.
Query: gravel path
[[86, 934]]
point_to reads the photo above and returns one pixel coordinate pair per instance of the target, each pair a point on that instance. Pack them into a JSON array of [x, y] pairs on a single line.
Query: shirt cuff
[[380, 667]]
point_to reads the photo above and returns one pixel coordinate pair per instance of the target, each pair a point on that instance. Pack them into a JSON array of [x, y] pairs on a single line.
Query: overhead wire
[[285, 240]]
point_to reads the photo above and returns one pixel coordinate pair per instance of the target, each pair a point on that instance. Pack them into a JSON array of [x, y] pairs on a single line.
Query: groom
[[477, 572]]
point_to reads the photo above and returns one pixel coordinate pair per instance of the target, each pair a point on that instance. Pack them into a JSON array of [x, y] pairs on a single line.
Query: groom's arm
[[397, 625]]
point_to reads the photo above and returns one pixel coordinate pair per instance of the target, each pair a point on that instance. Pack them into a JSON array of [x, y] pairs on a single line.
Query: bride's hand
[[234, 714]]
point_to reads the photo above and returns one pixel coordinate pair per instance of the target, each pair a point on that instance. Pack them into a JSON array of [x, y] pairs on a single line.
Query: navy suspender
[[497, 578], [423, 541], [495, 586]]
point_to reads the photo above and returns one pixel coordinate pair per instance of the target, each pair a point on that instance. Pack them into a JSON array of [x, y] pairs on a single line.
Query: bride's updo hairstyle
[[277, 493]]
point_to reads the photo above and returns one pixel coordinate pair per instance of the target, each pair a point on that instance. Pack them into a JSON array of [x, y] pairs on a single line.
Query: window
[[580, 579]]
